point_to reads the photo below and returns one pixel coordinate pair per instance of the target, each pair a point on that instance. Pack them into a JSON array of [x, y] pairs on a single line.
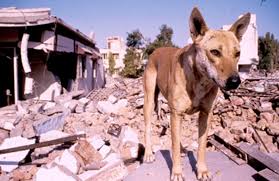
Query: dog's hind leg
[[150, 76]]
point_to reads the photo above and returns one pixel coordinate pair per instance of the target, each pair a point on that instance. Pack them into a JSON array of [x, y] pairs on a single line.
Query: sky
[[118, 17]]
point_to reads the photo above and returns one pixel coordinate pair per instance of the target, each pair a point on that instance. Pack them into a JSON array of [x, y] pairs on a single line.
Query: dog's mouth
[[223, 89]]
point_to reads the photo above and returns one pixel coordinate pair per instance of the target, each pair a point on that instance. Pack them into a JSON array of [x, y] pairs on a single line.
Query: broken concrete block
[[84, 100], [50, 135], [36, 108], [273, 129], [50, 123], [72, 104], [3, 135], [113, 170], [96, 141], [139, 102], [14, 157], [68, 160], [105, 107], [87, 152], [104, 151], [266, 106], [25, 172], [61, 99], [267, 116], [80, 108], [49, 105], [129, 150], [128, 134], [8, 126], [112, 99], [55, 173]]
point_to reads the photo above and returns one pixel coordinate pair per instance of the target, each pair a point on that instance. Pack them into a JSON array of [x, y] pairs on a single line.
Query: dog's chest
[[199, 92]]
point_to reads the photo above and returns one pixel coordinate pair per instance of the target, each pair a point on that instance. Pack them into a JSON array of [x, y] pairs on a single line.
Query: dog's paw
[[177, 177], [204, 176], [149, 157]]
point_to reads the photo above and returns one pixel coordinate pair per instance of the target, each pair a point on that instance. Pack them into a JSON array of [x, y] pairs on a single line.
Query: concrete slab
[[221, 168]]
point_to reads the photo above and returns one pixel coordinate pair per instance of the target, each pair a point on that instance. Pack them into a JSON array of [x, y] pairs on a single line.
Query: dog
[[189, 78]]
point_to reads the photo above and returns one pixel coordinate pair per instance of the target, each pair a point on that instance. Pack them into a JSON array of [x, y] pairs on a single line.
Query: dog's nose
[[233, 82]]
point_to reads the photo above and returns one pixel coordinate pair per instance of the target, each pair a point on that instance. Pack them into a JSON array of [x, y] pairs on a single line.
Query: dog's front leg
[[175, 135], [204, 124]]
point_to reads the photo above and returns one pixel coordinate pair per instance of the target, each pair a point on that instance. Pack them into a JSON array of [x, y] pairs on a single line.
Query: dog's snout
[[233, 82]]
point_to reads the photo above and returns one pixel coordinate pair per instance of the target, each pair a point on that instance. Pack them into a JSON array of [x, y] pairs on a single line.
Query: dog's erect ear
[[240, 26], [197, 24]]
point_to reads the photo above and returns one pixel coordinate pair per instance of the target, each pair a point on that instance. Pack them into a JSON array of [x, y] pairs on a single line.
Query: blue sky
[[117, 17]]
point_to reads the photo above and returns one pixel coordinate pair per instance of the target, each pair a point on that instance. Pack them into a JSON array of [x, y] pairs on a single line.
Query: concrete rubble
[[112, 119]]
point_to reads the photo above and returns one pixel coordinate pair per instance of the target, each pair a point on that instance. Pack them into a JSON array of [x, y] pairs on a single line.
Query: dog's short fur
[[189, 79]]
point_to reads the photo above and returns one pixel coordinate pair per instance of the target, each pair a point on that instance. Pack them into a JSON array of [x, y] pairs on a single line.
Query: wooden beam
[[227, 152], [261, 157], [269, 175], [43, 144]]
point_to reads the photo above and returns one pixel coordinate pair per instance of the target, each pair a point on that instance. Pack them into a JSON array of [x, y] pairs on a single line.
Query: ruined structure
[[41, 57]]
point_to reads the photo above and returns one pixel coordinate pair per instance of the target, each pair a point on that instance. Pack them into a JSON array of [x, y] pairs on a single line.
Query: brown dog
[[189, 79]]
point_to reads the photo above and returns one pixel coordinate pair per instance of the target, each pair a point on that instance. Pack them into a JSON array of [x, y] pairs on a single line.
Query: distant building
[[116, 46], [249, 46]]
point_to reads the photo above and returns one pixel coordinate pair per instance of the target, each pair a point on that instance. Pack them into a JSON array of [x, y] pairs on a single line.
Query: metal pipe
[[15, 77]]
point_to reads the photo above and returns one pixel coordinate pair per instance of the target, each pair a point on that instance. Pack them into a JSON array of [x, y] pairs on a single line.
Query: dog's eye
[[237, 54], [215, 52]]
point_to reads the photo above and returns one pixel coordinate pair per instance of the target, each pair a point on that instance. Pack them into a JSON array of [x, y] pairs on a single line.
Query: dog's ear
[[197, 24], [240, 26]]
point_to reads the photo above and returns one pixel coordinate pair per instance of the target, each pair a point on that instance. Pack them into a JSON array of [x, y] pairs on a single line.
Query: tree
[[111, 63], [163, 39], [132, 58], [268, 51], [135, 39]]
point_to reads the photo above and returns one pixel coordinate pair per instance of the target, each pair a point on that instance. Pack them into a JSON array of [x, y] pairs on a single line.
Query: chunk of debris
[[9, 161]]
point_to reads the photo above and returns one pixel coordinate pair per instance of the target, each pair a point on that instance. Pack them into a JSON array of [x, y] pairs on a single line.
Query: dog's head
[[218, 51]]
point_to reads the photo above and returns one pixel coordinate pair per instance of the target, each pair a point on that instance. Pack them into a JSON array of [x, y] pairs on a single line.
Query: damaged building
[[42, 57]]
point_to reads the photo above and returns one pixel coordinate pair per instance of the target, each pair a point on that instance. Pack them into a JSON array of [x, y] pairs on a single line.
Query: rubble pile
[[99, 136]]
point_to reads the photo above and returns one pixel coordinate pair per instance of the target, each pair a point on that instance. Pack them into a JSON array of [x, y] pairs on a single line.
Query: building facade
[[41, 57], [115, 45]]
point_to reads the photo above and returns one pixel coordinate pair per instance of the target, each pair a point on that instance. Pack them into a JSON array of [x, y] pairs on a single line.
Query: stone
[[262, 124], [25, 172], [80, 108], [267, 116], [113, 170], [129, 150], [273, 129], [112, 99], [3, 135], [72, 104], [107, 107], [53, 122], [36, 108], [61, 99], [226, 122], [266, 106], [104, 151], [237, 101], [55, 173], [87, 152], [49, 105], [139, 103], [8, 126], [96, 141], [128, 134], [268, 141], [84, 100], [50, 135], [68, 160], [14, 157]]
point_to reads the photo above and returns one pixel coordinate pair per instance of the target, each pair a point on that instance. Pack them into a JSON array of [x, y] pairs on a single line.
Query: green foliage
[[134, 39], [132, 58], [132, 63], [111, 63], [268, 51], [164, 39]]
